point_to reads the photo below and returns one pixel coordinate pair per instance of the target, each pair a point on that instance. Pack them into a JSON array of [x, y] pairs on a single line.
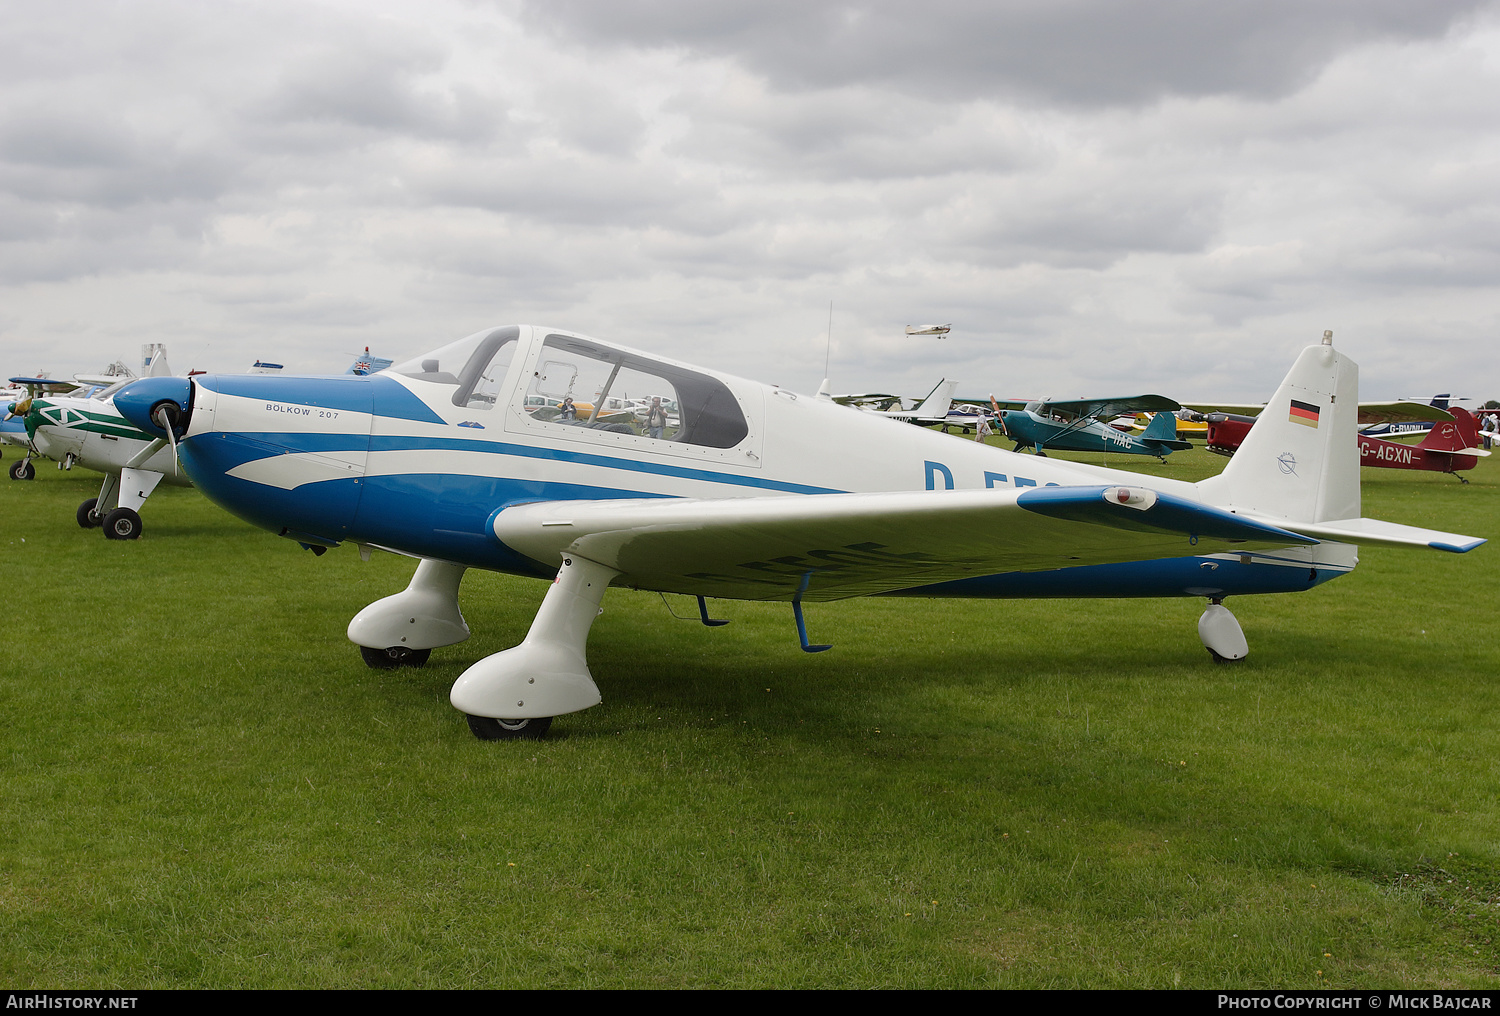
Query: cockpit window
[[475, 366], [578, 383]]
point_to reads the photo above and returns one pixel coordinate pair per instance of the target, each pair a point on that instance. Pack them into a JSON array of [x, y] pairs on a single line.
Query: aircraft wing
[[831, 546], [1002, 403], [47, 385], [883, 400], [1399, 411], [1369, 412], [1099, 408], [1237, 408]]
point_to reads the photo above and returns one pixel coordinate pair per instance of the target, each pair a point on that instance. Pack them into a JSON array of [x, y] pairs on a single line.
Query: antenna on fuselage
[[825, 390]]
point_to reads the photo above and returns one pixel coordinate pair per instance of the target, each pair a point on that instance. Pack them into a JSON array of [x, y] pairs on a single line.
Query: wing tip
[[1456, 548]]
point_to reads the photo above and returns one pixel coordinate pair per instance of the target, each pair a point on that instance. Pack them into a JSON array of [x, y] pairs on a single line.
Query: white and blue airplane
[[754, 492]]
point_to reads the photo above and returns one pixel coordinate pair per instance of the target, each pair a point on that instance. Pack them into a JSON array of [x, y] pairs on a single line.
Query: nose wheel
[[487, 729], [394, 657]]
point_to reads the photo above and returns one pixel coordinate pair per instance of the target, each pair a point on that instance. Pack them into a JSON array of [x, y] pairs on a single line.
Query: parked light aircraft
[[18, 393], [1078, 425], [1452, 446], [86, 428], [438, 458], [1399, 425], [931, 411], [1189, 424]]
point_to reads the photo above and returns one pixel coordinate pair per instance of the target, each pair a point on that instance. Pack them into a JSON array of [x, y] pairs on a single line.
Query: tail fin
[[1163, 427], [939, 401], [1300, 461], [1461, 434]]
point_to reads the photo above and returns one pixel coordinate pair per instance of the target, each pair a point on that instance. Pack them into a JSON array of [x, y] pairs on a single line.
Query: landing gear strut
[[1221, 633], [547, 674], [403, 630]]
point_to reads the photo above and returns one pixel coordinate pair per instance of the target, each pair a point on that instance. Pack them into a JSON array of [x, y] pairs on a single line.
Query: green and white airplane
[[84, 428]]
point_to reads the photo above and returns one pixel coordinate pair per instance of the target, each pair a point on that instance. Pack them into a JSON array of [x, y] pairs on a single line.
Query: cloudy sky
[[1102, 196]]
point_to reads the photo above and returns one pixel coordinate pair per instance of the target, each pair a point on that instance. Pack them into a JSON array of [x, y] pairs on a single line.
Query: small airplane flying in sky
[[1451, 446], [1078, 425], [754, 493], [939, 330]]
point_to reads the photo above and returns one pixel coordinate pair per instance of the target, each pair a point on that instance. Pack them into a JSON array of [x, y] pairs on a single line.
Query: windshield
[[474, 366]]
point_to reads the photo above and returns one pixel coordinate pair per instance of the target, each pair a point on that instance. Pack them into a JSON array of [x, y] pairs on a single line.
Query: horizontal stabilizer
[[1373, 532]]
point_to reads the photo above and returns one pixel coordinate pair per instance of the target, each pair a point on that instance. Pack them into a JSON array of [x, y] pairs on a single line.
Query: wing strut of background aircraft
[[752, 492]]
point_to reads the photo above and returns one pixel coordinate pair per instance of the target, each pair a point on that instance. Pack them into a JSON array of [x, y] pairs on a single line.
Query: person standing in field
[[656, 418]]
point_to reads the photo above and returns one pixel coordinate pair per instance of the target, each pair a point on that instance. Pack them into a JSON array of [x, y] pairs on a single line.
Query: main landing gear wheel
[[487, 729], [122, 524], [23, 470], [394, 657], [87, 517]]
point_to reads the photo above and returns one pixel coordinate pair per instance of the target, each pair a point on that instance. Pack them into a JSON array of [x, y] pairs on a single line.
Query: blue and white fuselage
[[465, 457], [390, 460]]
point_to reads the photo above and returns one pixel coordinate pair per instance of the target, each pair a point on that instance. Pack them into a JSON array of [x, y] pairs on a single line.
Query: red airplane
[[1448, 448]]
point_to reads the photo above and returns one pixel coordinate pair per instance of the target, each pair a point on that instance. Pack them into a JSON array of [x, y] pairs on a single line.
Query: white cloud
[[1100, 196]]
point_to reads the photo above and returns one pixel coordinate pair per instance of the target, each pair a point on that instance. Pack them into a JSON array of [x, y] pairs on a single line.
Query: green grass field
[[205, 787]]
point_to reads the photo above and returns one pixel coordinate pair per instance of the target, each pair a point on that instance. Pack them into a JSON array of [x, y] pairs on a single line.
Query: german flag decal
[[1304, 413]]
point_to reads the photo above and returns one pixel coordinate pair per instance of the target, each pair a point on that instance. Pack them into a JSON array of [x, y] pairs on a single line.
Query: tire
[[487, 729], [122, 524], [23, 470], [86, 515], [394, 657]]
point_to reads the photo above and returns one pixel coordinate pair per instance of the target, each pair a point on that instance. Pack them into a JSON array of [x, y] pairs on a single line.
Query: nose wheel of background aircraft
[[122, 524], [23, 470], [395, 656], [87, 517], [487, 729]]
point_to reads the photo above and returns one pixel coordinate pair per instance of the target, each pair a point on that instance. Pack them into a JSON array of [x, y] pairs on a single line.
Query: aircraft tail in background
[[1163, 427], [1300, 461], [1460, 435], [938, 401]]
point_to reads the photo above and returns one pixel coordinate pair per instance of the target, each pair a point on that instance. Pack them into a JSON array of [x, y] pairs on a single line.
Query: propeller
[[167, 416]]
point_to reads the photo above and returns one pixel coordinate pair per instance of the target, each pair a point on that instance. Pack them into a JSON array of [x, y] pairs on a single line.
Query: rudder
[[1301, 460]]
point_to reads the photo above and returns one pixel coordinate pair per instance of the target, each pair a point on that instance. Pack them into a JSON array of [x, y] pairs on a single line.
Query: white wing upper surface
[[838, 545]]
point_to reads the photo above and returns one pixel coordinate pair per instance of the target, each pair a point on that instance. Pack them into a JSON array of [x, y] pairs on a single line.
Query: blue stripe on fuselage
[[264, 444], [381, 396]]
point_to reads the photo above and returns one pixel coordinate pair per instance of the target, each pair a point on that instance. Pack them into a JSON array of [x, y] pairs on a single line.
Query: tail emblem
[[1287, 462]]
